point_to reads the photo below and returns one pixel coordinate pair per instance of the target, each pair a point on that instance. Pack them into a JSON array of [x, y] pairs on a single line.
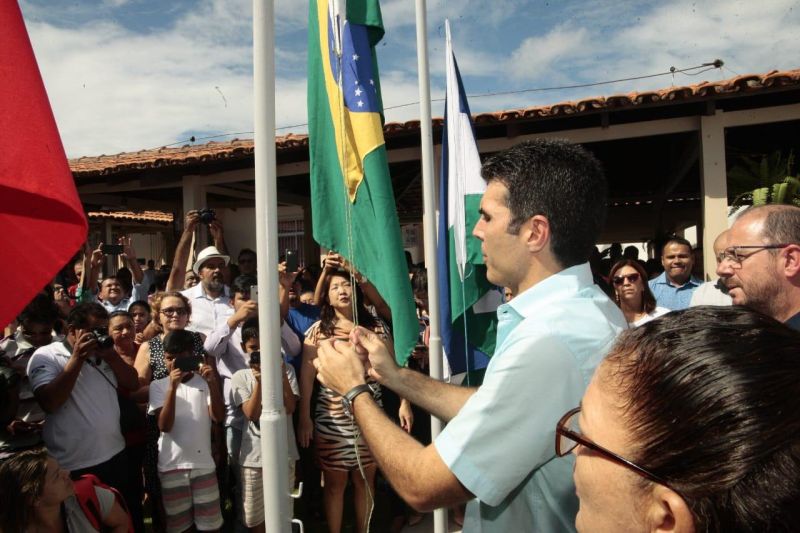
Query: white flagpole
[[274, 447], [429, 222]]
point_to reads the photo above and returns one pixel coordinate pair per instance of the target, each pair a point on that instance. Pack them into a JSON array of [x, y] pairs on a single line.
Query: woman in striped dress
[[340, 451]]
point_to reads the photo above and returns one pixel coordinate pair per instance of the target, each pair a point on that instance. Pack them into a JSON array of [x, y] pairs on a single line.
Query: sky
[[129, 75]]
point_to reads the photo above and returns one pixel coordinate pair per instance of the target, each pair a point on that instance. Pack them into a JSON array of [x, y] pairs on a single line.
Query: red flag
[[42, 223]]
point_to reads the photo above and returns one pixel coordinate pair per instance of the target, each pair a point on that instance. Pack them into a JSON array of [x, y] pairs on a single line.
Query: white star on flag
[[355, 57], [372, 82], [360, 103], [358, 91]]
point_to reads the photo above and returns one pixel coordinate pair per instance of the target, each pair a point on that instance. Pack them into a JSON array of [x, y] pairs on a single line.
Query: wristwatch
[[350, 396]]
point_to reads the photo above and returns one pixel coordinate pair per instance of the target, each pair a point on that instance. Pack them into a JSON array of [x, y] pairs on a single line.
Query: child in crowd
[[246, 392], [185, 403]]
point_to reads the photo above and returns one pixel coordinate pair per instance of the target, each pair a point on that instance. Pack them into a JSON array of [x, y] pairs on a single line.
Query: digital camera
[[188, 364], [207, 216], [104, 341], [255, 358]]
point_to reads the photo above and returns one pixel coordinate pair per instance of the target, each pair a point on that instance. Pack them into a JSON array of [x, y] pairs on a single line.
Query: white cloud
[[540, 55], [125, 87]]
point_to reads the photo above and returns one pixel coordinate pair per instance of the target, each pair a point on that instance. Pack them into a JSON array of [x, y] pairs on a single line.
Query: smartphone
[[291, 261], [254, 293], [111, 249], [188, 364]]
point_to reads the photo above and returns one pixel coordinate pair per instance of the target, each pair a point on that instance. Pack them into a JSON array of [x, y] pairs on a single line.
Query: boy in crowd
[[185, 403], [246, 393]]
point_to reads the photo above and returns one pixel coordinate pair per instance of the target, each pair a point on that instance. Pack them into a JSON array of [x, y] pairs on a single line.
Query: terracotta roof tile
[[159, 217], [238, 149]]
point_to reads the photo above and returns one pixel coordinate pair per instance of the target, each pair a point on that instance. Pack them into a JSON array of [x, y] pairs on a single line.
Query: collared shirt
[[500, 446], [709, 293], [139, 292], [84, 431], [208, 313], [672, 297]]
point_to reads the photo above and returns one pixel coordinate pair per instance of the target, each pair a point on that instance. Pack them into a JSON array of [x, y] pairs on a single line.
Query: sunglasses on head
[[619, 280]]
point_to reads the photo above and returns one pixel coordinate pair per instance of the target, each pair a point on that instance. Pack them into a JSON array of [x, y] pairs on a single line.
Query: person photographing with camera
[[185, 403], [246, 395], [75, 381]]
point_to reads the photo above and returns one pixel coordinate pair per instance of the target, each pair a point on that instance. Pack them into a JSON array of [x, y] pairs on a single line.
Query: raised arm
[[129, 255], [182, 252], [218, 233]]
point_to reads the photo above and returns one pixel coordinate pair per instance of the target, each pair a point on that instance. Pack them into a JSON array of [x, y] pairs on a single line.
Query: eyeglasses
[[172, 311], [732, 253], [619, 280], [568, 437]]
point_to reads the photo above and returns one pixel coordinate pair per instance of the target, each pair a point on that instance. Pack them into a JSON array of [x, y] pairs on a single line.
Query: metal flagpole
[[274, 447], [429, 222]]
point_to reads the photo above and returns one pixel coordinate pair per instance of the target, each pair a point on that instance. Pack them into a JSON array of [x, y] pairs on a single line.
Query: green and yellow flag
[[352, 203]]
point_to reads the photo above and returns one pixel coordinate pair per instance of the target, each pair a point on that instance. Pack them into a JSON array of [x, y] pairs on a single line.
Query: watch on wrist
[[350, 396]]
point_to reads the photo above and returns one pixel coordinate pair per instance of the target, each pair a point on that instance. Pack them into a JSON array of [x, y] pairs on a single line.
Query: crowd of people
[[623, 395]]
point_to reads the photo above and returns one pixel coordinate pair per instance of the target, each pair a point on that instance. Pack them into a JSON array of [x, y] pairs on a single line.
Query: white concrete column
[[194, 197], [714, 186]]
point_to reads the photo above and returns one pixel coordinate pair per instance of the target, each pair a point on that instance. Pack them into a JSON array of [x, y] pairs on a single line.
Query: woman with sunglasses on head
[[691, 424], [632, 294], [171, 311]]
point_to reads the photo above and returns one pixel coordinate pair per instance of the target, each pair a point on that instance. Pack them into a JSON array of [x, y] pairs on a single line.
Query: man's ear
[[667, 512], [537, 232], [791, 266]]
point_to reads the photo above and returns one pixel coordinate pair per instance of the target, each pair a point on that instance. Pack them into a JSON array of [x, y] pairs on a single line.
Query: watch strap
[[350, 396]]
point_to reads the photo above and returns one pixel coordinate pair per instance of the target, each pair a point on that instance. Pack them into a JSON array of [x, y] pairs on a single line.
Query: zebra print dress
[[337, 441]]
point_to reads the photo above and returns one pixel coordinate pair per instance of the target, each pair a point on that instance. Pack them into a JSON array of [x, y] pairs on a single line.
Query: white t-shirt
[[188, 444], [655, 313], [84, 431], [242, 385]]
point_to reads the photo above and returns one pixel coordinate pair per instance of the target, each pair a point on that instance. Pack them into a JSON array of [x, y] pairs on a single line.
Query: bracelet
[[350, 396]]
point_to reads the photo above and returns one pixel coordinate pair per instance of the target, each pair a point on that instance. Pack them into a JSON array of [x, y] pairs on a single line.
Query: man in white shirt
[[210, 299], [75, 381]]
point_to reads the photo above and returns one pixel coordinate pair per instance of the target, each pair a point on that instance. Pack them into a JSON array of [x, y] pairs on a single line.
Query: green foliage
[[764, 179]]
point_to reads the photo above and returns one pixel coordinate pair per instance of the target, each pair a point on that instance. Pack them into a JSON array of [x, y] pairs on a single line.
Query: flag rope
[[369, 499]]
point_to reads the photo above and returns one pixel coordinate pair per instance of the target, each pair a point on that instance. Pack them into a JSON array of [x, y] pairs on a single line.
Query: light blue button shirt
[[501, 445], [672, 297]]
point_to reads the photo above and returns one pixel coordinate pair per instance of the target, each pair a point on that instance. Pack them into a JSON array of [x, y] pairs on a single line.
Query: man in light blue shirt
[[674, 287], [497, 452]]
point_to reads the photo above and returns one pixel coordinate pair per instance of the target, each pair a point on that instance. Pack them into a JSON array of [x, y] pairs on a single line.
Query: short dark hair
[[250, 330], [246, 251], [557, 179], [120, 312], [675, 239], [419, 281], [243, 283], [178, 341], [78, 317], [711, 398], [41, 310], [140, 303], [648, 300]]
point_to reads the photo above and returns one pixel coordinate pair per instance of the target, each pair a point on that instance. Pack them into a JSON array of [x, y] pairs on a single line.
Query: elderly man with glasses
[[761, 264]]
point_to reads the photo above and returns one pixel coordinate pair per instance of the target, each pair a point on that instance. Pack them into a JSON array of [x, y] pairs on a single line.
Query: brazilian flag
[[353, 206]]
